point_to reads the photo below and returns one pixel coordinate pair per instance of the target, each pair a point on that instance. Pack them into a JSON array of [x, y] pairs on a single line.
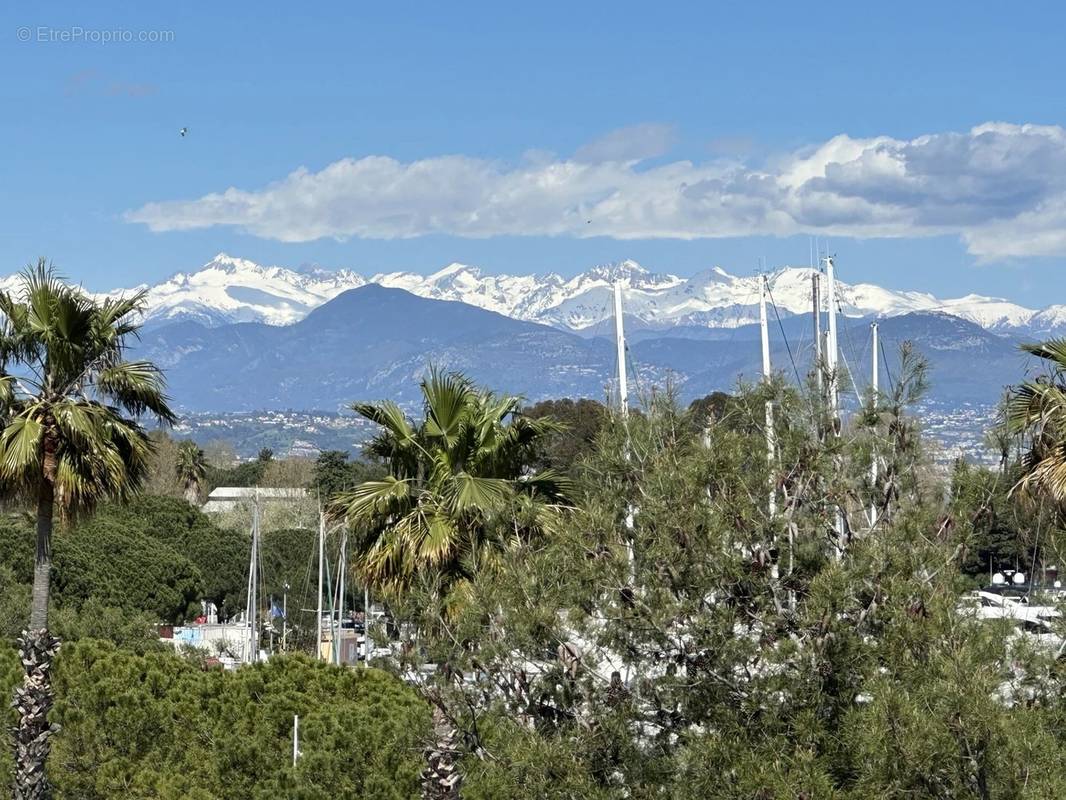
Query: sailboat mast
[[343, 562], [874, 351], [831, 354], [620, 344], [816, 301], [321, 567], [366, 626], [770, 443], [623, 407], [253, 584], [763, 329], [831, 368]]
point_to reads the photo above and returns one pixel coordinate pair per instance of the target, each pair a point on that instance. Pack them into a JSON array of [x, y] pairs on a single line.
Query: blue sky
[[486, 133]]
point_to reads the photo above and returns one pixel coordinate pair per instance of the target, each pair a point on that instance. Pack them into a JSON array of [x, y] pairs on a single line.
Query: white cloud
[[1000, 187]]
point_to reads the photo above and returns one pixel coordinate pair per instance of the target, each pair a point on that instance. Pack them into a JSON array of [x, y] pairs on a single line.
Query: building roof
[[226, 498]]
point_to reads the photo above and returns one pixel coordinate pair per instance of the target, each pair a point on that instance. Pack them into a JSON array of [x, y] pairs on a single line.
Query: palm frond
[[388, 415], [136, 386], [71, 345], [20, 448], [372, 499], [1053, 350], [469, 492], [446, 403]]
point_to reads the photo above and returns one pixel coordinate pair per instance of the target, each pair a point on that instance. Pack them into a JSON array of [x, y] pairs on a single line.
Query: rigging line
[[311, 556], [600, 333], [884, 360], [851, 377], [631, 368], [799, 381], [850, 343], [738, 309], [802, 342], [784, 336], [1036, 546]]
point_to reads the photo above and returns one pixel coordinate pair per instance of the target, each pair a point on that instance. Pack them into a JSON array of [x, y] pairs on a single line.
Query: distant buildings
[[301, 448]]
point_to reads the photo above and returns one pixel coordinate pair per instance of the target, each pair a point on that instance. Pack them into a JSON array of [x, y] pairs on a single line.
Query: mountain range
[[236, 337], [375, 342], [228, 289]]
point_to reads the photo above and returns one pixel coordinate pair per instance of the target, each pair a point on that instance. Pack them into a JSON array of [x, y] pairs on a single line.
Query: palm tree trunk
[[192, 493], [33, 701], [441, 778], [42, 565], [37, 649]]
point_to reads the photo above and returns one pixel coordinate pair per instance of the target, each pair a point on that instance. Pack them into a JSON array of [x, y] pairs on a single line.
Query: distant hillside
[[373, 342], [369, 342]]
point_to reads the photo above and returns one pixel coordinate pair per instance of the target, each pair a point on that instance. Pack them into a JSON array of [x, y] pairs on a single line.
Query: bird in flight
[[183, 131]]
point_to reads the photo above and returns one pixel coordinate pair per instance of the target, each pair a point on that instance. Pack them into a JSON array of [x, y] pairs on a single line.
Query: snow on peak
[[993, 313], [628, 272], [233, 289], [455, 268]]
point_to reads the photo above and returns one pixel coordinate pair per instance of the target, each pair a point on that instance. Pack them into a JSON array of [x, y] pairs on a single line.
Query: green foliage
[[457, 493], [14, 600], [191, 470], [136, 631], [11, 675], [1007, 530], [247, 473], [528, 764], [333, 473], [156, 725], [105, 560], [71, 405], [91, 619], [65, 422], [873, 686], [708, 409], [1035, 411], [219, 554], [580, 424], [156, 555]]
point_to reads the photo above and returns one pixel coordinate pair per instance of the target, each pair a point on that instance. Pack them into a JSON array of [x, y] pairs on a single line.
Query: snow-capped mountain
[[228, 289], [991, 313]]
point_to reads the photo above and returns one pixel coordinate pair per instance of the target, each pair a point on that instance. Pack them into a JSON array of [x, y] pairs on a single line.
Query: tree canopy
[[457, 492], [157, 725], [666, 656]]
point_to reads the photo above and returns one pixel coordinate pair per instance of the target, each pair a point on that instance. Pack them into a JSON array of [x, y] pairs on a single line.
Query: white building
[[227, 498]]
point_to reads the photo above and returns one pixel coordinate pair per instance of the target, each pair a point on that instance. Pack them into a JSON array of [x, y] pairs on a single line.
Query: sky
[[918, 142]]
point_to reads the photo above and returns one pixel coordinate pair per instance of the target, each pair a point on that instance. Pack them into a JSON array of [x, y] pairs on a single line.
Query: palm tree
[[70, 439], [191, 468], [458, 491], [1036, 411]]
